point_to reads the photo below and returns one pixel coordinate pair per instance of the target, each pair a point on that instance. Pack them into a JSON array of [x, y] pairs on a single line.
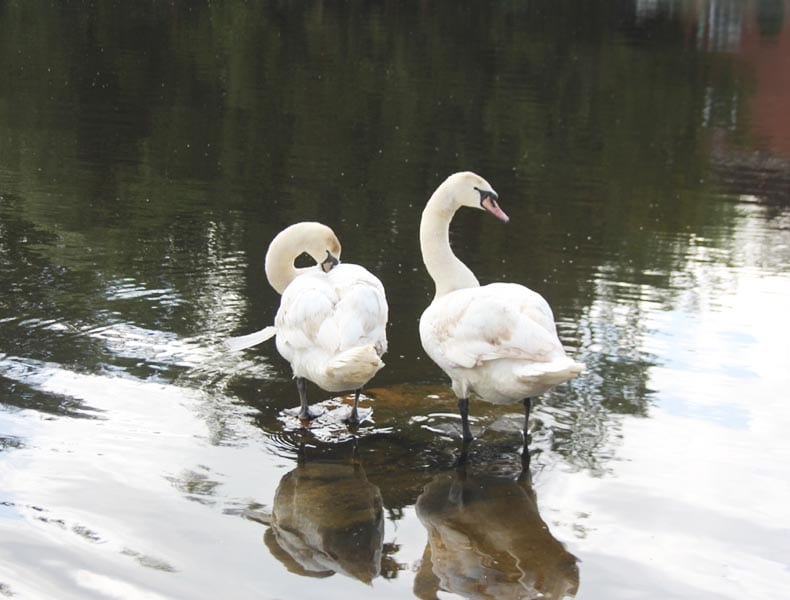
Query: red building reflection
[[751, 120], [765, 53]]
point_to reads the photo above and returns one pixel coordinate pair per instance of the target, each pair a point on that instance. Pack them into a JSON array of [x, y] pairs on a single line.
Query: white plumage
[[331, 326], [331, 323], [497, 341]]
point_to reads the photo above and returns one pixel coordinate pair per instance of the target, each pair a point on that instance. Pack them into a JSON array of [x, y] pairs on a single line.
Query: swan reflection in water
[[327, 518], [487, 540]]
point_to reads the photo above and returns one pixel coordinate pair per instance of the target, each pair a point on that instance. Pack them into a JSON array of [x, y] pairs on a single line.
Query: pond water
[[149, 153]]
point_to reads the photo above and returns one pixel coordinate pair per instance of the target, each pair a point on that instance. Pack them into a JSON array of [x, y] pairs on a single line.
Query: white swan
[[498, 341], [331, 323]]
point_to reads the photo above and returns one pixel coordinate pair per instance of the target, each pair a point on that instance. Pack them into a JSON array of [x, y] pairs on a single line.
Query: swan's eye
[[484, 194]]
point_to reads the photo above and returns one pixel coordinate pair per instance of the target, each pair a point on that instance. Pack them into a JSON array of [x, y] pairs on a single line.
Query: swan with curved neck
[[331, 323], [314, 239], [497, 341]]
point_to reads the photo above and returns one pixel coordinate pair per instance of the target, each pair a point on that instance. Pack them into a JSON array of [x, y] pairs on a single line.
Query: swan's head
[[469, 189], [318, 241], [315, 239]]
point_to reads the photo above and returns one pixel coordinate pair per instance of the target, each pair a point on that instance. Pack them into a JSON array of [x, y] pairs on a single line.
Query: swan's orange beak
[[489, 203]]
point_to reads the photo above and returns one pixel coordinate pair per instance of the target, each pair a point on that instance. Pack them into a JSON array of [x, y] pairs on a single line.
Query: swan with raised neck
[[459, 189], [497, 341]]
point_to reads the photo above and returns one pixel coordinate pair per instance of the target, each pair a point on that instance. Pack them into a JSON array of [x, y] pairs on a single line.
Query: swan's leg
[[353, 418], [304, 412], [463, 459], [527, 407], [525, 451], [463, 408]]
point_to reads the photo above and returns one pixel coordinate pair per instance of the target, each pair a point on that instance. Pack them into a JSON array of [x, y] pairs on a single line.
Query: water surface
[[148, 155]]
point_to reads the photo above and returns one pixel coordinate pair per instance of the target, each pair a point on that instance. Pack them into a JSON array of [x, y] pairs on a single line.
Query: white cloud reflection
[[695, 505]]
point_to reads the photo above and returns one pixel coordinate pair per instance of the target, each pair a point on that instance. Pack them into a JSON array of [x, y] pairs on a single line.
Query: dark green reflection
[[150, 152]]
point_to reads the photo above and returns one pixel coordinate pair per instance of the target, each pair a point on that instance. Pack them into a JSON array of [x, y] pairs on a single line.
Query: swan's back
[[323, 315], [500, 320], [360, 315]]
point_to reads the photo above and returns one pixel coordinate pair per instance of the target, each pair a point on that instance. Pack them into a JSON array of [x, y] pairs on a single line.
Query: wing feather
[[361, 311], [501, 320], [343, 309]]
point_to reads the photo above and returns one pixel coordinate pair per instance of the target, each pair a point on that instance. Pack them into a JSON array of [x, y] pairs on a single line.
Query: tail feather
[[242, 342], [552, 373], [354, 367]]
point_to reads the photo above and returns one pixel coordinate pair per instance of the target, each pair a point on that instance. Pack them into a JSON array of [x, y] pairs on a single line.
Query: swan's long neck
[[444, 267], [280, 269]]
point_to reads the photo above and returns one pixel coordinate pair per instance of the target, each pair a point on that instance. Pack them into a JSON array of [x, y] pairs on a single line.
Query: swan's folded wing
[[494, 322], [361, 312], [335, 313], [305, 309]]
